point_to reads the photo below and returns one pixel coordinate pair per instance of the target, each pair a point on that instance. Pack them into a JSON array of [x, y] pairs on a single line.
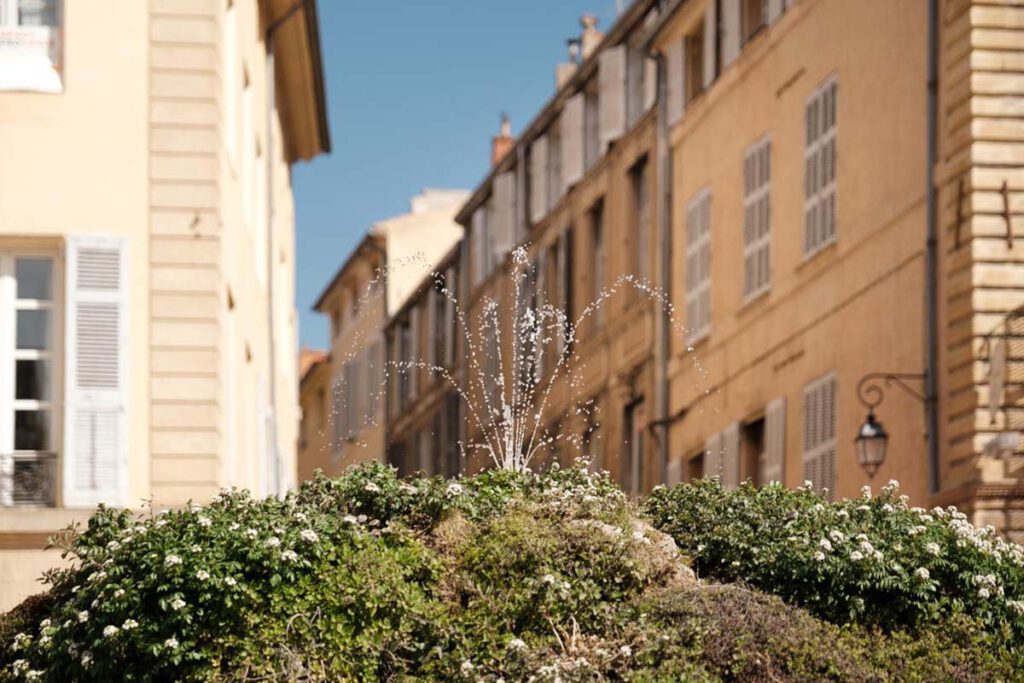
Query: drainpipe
[[663, 325], [277, 474], [931, 256]]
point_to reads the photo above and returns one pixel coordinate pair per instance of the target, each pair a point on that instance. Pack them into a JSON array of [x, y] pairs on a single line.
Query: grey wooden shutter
[[710, 44], [674, 473], [572, 141], [650, 82], [430, 325], [95, 372], [478, 245], [414, 355], [612, 84], [775, 9], [731, 456], [731, 31], [539, 179], [774, 442], [676, 87], [713, 456], [503, 230]]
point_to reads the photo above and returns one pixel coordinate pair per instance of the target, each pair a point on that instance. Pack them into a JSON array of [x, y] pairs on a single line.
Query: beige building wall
[[371, 285], [138, 144]]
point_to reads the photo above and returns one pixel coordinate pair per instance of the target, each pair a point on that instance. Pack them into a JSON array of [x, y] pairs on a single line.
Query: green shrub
[[869, 560], [544, 577]]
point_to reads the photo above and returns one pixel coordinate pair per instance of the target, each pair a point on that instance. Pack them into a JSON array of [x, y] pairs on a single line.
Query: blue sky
[[415, 89]]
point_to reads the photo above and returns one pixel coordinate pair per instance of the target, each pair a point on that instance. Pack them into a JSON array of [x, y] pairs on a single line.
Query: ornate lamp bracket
[[871, 387]]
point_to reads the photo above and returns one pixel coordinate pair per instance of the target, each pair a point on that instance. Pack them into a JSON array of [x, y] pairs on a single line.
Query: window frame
[[10, 304]]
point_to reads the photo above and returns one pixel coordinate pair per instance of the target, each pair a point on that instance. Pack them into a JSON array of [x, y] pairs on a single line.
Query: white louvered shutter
[[96, 349], [775, 9], [503, 230], [612, 84], [478, 245], [572, 141], [710, 44], [731, 31], [731, 456], [713, 456], [539, 179], [676, 80], [774, 460]]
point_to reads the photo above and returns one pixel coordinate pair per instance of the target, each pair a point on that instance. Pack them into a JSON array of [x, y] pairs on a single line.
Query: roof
[[309, 360], [373, 240], [293, 30]]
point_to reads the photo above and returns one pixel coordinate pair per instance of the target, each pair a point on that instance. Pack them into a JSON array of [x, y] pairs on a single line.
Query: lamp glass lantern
[[871, 443]]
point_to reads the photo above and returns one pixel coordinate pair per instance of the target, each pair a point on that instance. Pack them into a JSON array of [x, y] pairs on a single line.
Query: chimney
[[591, 37], [564, 71], [502, 142]]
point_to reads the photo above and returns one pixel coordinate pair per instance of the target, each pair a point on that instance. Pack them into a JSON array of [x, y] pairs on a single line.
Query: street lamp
[[871, 442], [872, 439]]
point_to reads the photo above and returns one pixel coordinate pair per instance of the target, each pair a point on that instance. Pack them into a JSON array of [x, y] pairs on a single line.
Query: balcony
[[28, 480]]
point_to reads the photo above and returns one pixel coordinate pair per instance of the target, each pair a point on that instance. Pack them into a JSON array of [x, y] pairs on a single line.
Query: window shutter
[[674, 473], [539, 179], [96, 349], [572, 141], [820, 433], [731, 31], [731, 456], [713, 456], [478, 242], [431, 327], [676, 85], [710, 44], [414, 355], [650, 83], [612, 84], [774, 442], [775, 9], [504, 214]]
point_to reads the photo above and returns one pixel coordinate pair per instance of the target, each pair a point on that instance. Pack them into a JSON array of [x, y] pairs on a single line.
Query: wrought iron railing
[[28, 479]]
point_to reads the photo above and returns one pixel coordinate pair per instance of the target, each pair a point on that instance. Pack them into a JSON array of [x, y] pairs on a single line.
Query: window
[[320, 407], [27, 388], [335, 322], [597, 267], [633, 425], [820, 168], [752, 451], [694, 63], [757, 215], [695, 466], [338, 413], [31, 45], [641, 219], [452, 450], [755, 17], [698, 267], [820, 434], [592, 446], [403, 355], [451, 317]]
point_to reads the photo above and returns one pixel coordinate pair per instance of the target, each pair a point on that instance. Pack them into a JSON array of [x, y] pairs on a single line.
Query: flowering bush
[[519, 576], [871, 560]]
